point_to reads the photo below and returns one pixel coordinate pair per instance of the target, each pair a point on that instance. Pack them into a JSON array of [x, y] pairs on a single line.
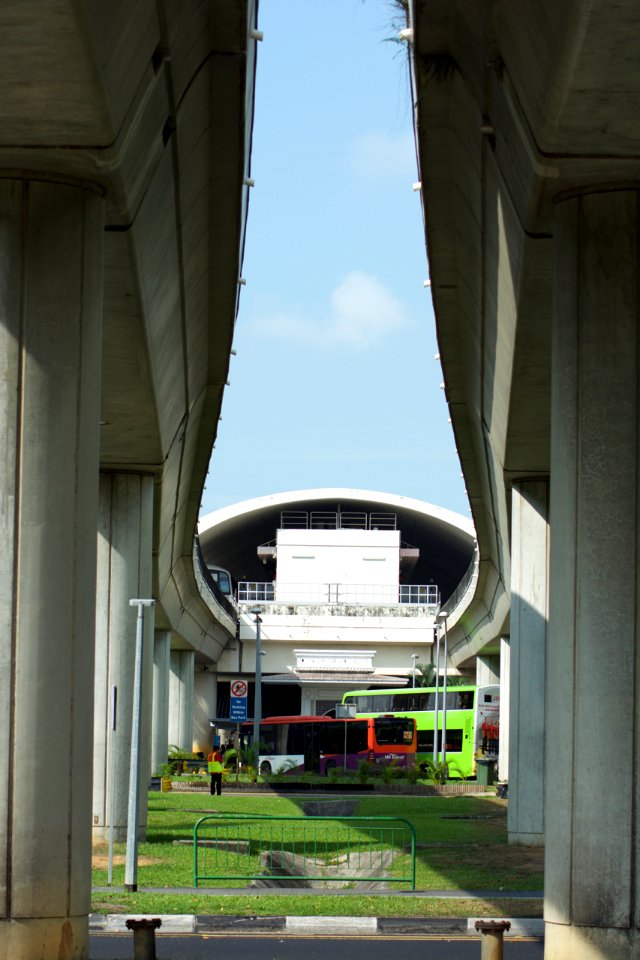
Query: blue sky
[[334, 382]]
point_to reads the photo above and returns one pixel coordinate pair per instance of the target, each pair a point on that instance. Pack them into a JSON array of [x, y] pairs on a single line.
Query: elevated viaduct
[[528, 140], [125, 133]]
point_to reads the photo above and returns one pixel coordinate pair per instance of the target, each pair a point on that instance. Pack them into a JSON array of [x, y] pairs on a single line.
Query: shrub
[[365, 770], [175, 753], [335, 773], [391, 771], [454, 768], [412, 773], [438, 772]]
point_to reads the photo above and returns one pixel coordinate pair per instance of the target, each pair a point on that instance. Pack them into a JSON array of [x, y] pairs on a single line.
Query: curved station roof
[[445, 540]]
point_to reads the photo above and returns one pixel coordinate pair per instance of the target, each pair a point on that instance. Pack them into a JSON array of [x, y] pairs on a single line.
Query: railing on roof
[[336, 520], [339, 593]]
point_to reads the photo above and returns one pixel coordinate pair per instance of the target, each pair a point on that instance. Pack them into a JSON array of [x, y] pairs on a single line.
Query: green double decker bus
[[468, 728]]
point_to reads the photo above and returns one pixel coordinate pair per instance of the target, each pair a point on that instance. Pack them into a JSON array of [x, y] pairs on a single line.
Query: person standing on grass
[[214, 766]]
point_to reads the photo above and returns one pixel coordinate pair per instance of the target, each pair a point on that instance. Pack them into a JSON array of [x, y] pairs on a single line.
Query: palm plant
[[426, 676]]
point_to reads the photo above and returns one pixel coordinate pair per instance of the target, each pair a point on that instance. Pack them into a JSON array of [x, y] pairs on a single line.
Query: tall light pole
[[131, 861], [414, 657], [257, 698], [441, 616], [436, 750], [444, 697]]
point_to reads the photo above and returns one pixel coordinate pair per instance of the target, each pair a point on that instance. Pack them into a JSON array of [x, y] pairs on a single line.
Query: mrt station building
[[347, 585]]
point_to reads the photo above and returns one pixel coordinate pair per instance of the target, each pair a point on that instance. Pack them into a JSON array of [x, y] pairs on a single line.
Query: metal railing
[[371, 594], [275, 850], [253, 592], [469, 576], [336, 520]]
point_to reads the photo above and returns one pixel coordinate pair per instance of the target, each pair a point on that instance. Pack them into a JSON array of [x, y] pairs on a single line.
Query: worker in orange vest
[[214, 766]]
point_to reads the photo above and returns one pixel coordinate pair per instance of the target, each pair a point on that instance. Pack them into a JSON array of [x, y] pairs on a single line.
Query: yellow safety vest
[[213, 766]]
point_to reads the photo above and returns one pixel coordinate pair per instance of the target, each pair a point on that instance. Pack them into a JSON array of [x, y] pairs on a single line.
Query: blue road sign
[[238, 708]]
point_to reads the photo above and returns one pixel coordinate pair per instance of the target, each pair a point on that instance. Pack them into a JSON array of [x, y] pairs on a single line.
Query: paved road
[[279, 947]]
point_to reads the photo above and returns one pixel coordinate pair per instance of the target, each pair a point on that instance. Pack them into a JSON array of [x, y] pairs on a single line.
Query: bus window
[[394, 731], [459, 699], [425, 741], [295, 739], [332, 738], [268, 738], [454, 741], [357, 740], [411, 700]]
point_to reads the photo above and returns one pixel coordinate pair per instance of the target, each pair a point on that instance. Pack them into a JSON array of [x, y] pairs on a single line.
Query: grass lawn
[[461, 845]]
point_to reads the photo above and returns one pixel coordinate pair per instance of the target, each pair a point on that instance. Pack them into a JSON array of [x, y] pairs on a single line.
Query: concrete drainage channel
[[281, 865]]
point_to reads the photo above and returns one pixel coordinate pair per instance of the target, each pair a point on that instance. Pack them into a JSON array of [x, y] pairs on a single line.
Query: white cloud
[[378, 155], [363, 312]]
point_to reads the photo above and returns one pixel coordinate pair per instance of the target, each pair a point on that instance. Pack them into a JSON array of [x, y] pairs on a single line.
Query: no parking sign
[[238, 700]]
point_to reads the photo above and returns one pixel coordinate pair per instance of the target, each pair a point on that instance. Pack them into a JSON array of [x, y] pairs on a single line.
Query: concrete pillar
[[505, 707], [487, 670], [50, 340], [529, 615], [160, 710], [124, 572], [181, 668], [593, 694], [205, 700]]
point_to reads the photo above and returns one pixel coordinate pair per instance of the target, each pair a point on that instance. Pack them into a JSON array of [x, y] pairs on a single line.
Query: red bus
[[320, 744]]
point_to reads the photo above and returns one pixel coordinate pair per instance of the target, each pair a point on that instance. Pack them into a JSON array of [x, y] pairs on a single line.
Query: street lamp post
[[444, 697], [257, 699], [440, 619], [436, 750], [414, 657], [131, 860]]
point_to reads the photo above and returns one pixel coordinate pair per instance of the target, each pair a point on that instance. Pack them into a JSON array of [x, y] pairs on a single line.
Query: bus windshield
[[393, 731]]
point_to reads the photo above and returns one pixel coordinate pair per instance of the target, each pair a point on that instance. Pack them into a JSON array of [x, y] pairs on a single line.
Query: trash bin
[[485, 771]]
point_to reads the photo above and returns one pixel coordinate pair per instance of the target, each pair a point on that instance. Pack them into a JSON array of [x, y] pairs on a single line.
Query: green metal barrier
[[347, 850]]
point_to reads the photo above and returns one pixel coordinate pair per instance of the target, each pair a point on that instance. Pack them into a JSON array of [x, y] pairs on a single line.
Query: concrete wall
[[308, 560]]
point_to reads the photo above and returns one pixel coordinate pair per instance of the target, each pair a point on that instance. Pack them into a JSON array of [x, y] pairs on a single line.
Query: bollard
[[144, 937], [492, 931]]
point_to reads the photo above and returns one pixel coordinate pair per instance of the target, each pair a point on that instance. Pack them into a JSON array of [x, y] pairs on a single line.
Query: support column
[[529, 615], [205, 699], [593, 708], [160, 710], [124, 572], [50, 340], [182, 664], [487, 670], [505, 708]]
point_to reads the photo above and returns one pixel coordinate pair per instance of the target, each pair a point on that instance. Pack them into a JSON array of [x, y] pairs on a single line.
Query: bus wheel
[[265, 768], [331, 765]]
